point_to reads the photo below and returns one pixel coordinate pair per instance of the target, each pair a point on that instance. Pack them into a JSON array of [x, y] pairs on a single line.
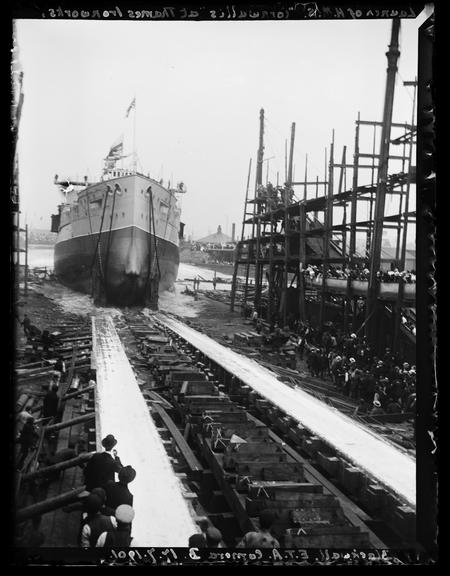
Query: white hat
[[377, 404], [352, 360]]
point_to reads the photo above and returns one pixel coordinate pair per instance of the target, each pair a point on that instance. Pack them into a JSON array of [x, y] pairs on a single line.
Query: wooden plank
[[49, 504], [80, 459], [188, 454], [77, 392], [72, 422], [353, 512]]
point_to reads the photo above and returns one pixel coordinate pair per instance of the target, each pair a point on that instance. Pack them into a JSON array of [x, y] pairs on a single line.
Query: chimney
[[233, 231]]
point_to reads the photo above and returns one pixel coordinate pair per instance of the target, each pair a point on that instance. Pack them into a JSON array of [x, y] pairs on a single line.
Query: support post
[[287, 193], [258, 183], [26, 261], [354, 197], [401, 288], [375, 253], [239, 245], [302, 261], [328, 222]]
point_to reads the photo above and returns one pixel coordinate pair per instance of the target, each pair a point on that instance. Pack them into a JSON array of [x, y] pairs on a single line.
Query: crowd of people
[[381, 384], [211, 537], [107, 504], [359, 272]]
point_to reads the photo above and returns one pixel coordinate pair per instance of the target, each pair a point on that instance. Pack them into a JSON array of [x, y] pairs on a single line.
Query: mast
[[134, 136]]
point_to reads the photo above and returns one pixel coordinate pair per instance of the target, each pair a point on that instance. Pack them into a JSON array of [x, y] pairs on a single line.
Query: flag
[[130, 107], [116, 149]]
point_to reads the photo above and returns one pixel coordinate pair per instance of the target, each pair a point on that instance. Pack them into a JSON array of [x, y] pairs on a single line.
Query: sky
[[199, 87]]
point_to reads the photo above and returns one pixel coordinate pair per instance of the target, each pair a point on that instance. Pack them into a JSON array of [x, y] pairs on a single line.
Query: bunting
[[116, 149], [130, 107]]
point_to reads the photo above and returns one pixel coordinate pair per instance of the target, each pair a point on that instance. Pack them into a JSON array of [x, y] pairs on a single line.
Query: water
[[40, 256]]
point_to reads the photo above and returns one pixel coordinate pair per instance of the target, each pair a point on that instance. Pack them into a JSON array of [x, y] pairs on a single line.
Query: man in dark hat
[[263, 537], [101, 468], [117, 493]]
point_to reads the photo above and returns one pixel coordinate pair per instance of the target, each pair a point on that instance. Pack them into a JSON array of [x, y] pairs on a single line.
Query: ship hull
[[118, 262]]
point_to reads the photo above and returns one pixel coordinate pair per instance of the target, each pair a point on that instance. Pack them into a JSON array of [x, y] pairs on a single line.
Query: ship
[[118, 238]]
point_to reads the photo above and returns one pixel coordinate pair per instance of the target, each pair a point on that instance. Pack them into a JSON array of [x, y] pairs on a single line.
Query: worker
[[102, 467], [60, 367], [50, 404], [27, 440], [26, 323], [263, 537]]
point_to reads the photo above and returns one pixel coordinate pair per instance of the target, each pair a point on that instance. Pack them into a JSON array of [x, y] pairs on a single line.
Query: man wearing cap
[[121, 536], [376, 410], [117, 493], [95, 524], [102, 466], [213, 538], [263, 538]]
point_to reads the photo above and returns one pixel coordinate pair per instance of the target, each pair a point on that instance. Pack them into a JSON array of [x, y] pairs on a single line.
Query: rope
[[264, 492], [150, 263], [109, 237], [167, 220], [154, 234], [98, 239], [219, 439]]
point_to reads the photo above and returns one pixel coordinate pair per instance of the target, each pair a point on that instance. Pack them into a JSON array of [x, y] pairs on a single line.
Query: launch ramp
[[380, 459], [162, 514]]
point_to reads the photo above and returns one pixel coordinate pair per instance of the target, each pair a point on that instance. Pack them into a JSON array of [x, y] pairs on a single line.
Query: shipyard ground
[[49, 303]]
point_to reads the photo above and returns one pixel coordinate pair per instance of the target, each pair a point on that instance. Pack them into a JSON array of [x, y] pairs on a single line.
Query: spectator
[[197, 540], [102, 467], [263, 537], [376, 410], [362, 408], [95, 524], [117, 493], [213, 538], [121, 536]]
